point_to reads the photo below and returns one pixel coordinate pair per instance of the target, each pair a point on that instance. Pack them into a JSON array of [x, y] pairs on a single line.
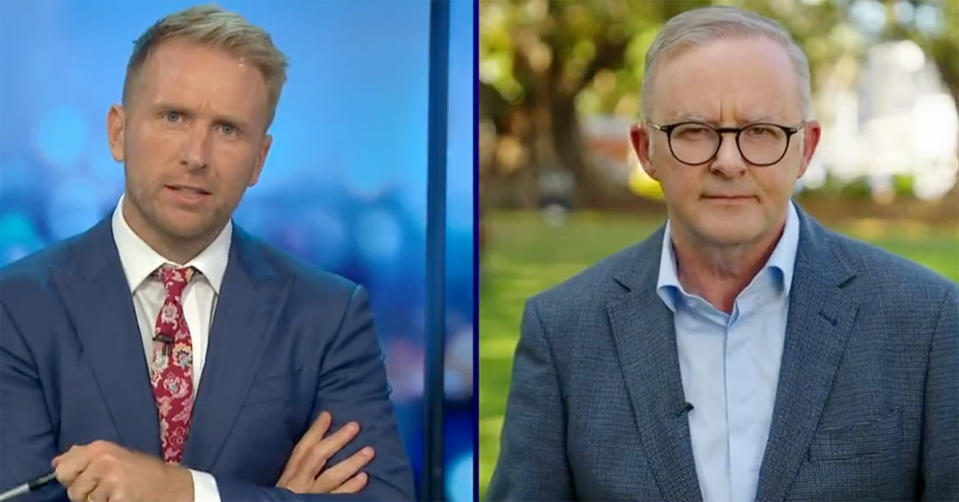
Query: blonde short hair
[[210, 25], [699, 27]]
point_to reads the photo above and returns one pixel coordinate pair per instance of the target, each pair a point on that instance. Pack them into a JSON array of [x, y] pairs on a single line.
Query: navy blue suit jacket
[[287, 342], [867, 405]]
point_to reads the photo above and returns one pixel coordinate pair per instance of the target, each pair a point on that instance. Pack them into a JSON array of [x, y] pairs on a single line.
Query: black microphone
[[167, 342], [686, 408], [27, 487]]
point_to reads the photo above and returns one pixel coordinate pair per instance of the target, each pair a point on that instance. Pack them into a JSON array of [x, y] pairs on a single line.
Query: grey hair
[[699, 27], [210, 25]]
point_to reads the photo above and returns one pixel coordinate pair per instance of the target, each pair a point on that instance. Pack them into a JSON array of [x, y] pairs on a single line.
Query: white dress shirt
[[729, 365], [139, 261]]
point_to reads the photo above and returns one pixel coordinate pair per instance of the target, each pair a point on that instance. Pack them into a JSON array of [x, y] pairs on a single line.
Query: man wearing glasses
[[743, 352]]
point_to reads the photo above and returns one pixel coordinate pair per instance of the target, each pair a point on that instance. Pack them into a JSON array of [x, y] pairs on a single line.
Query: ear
[[260, 159], [813, 131], [639, 136], [116, 125]]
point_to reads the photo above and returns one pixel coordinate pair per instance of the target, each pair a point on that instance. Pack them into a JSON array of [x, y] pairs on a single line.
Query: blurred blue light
[[73, 207], [328, 238], [105, 169], [414, 205], [61, 135], [378, 235], [459, 479], [17, 176], [18, 236], [367, 178]]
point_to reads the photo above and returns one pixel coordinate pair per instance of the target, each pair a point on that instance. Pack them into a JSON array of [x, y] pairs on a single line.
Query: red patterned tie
[[171, 373]]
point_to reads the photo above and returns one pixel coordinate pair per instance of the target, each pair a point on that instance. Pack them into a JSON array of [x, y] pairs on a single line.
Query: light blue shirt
[[730, 367]]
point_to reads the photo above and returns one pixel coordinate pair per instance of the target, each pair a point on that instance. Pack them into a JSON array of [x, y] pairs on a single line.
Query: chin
[[188, 232]]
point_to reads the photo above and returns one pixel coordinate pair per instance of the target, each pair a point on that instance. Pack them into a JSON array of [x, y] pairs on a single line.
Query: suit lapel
[[820, 318], [645, 340], [97, 296], [250, 299]]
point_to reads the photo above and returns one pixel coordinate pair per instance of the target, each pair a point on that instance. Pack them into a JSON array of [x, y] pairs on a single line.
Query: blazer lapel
[[645, 340], [97, 296], [820, 318], [249, 302]]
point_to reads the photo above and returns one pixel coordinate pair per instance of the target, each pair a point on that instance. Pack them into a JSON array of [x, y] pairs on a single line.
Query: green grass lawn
[[523, 256]]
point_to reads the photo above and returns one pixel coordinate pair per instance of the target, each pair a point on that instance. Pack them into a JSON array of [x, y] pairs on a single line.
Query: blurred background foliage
[[560, 187], [547, 65]]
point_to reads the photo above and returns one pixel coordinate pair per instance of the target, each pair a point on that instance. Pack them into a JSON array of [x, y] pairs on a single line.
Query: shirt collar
[[783, 259], [139, 260]]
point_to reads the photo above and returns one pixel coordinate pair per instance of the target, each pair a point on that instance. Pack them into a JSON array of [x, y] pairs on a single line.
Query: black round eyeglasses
[[760, 144]]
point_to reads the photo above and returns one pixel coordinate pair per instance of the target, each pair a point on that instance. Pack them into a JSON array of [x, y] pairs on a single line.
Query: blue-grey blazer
[[287, 342], [867, 405]]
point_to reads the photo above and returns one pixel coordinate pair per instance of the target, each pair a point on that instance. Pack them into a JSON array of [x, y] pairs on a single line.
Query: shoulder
[[591, 289], [890, 275], [307, 279], [32, 272], [897, 296]]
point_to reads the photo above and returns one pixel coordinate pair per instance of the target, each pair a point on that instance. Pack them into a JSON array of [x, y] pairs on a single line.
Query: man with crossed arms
[[288, 345]]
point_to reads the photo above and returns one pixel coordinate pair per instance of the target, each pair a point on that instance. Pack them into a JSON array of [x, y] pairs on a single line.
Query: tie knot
[[174, 279]]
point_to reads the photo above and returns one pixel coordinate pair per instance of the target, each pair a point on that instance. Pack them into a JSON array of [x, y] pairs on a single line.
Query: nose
[[729, 162], [195, 154]]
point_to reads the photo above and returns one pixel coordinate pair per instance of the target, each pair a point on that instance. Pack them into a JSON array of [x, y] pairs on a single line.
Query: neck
[[179, 255], [718, 273], [173, 248]]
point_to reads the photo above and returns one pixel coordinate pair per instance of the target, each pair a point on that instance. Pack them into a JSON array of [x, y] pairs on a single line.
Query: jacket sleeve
[[27, 431], [238, 490], [940, 431], [352, 386], [532, 463]]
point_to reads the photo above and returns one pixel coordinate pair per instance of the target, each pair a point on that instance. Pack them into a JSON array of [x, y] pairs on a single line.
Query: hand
[[314, 450], [102, 471]]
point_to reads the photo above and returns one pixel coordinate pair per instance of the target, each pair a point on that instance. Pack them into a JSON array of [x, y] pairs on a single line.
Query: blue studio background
[[344, 185]]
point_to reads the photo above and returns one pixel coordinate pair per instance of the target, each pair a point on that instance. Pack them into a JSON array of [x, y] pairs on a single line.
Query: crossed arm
[[102, 470], [352, 386]]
